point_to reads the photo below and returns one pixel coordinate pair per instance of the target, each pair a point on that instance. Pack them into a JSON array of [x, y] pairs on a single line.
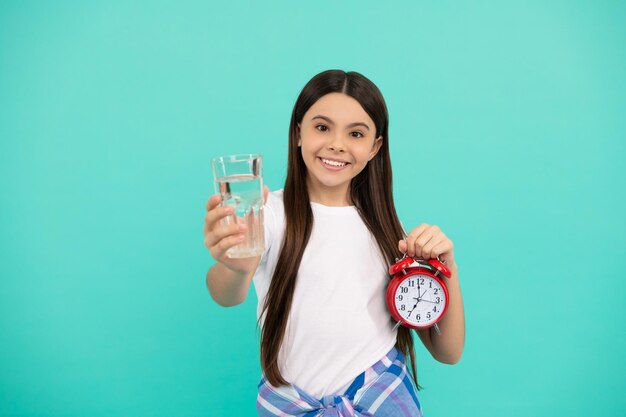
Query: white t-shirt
[[339, 324]]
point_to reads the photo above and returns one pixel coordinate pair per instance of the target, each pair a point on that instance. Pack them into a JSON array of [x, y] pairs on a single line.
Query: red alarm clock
[[417, 296]]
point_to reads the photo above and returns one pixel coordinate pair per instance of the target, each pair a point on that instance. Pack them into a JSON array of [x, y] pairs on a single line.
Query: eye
[[358, 133], [323, 126]]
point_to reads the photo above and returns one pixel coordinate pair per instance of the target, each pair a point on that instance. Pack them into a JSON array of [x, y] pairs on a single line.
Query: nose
[[336, 143]]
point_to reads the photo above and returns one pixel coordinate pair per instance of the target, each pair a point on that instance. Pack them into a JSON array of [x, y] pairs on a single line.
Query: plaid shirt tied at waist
[[383, 390]]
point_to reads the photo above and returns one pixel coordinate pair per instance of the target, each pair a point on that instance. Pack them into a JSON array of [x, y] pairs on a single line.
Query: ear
[[376, 147]]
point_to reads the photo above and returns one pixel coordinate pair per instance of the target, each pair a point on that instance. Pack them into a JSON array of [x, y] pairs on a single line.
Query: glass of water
[[239, 180]]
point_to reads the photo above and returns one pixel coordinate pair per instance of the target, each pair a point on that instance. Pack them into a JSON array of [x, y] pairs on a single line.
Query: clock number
[[402, 307], [404, 290], [428, 315], [436, 291], [438, 300], [411, 283], [418, 317], [434, 309], [400, 298], [421, 281]]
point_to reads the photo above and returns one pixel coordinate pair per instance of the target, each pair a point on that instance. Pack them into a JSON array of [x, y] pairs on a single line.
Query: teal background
[[507, 130]]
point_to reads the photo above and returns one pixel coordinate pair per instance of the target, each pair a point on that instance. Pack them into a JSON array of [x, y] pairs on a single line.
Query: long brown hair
[[371, 193]]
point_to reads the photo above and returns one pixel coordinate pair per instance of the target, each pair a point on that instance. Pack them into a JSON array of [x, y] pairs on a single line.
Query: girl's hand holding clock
[[426, 242]]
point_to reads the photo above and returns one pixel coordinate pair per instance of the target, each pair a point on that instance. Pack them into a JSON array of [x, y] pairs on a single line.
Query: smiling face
[[337, 140]]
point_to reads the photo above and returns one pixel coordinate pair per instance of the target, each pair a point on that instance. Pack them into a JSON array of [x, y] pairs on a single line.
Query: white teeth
[[333, 163]]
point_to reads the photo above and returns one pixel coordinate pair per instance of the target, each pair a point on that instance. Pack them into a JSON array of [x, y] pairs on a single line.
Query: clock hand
[[409, 315], [419, 296]]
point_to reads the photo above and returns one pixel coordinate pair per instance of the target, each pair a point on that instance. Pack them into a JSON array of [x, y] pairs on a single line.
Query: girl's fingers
[[213, 202], [219, 237], [220, 248], [430, 249], [426, 242], [215, 215], [420, 243], [443, 247], [412, 237], [422, 240], [417, 244], [219, 233]]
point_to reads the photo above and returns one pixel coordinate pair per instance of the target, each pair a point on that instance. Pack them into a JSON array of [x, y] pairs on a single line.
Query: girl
[[328, 344]]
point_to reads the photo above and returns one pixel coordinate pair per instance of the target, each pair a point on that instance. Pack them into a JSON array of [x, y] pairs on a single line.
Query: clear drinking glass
[[239, 180]]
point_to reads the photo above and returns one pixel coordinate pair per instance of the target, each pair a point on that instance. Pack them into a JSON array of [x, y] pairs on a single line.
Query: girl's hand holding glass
[[218, 238]]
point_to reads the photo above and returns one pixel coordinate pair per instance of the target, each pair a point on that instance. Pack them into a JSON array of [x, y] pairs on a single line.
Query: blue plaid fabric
[[384, 390]]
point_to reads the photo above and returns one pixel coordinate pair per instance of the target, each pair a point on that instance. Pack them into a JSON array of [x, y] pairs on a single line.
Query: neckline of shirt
[[333, 209], [322, 207]]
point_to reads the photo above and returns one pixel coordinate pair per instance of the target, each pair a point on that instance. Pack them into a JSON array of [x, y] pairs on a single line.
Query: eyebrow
[[319, 116]]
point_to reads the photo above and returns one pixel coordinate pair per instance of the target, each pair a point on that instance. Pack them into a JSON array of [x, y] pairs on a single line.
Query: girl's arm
[[426, 242], [227, 287]]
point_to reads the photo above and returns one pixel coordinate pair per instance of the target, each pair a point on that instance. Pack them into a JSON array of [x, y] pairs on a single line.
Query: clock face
[[420, 300]]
